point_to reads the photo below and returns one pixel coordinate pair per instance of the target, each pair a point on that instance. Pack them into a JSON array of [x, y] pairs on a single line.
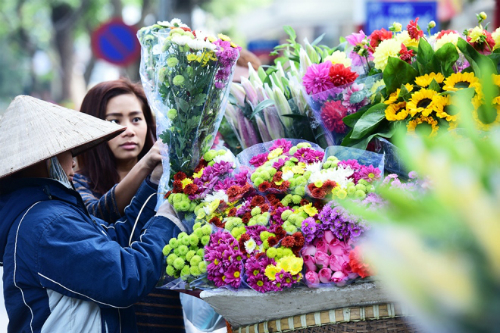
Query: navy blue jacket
[[67, 271]]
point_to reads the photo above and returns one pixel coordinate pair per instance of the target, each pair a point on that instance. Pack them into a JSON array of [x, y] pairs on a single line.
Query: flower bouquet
[[192, 76]]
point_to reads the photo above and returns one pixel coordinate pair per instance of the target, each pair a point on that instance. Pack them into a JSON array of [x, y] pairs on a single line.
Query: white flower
[[217, 195], [314, 167], [196, 44], [200, 34], [163, 23], [227, 157], [180, 40], [250, 245], [287, 175], [339, 175], [177, 23]]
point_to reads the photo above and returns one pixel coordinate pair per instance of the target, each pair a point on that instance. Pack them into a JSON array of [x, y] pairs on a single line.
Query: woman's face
[[126, 110], [67, 163]]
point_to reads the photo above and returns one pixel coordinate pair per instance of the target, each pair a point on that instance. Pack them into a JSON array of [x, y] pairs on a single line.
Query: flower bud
[[431, 25], [172, 114], [397, 26], [483, 16]]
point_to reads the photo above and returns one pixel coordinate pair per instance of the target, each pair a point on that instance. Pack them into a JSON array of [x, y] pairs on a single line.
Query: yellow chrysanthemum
[[421, 102], [396, 111], [457, 81], [441, 105], [198, 174], [224, 37], [395, 95], [298, 169], [387, 48], [296, 265], [404, 37], [496, 37], [284, 264], [275, 153], [483, 120], [476, 34], [447, 38], [422, 121], [339, 57], [425, 80], [186, 181], [271, 272], [310, 210]]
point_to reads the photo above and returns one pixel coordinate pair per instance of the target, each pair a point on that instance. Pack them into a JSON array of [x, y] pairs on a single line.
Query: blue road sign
[[116, 42], [382, 14]]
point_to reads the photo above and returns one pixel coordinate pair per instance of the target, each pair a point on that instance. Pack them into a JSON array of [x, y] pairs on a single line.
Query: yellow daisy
[[395, 95], [457, 81], [396, 111], [425, 80], [421, 102], [423, 121]]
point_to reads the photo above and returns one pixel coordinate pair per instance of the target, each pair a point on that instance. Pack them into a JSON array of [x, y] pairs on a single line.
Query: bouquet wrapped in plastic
[[186, 75]]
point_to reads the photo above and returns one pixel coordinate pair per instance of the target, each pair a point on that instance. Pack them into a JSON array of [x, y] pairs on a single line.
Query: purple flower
[[277, 165], [309, 155], [317, 78], [356, 38], [259, 160], [281, 143], [369, 173]]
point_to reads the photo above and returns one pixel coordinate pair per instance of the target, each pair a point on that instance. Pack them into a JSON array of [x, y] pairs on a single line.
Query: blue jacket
[[67, 271]]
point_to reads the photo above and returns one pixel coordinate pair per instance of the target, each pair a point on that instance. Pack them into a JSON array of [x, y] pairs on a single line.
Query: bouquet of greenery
[[190, 92]]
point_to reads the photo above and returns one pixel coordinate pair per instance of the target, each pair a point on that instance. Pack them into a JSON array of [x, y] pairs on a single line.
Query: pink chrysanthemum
[[258, 160], [317, 78], [332, 114], [370, 173], [283, 144]]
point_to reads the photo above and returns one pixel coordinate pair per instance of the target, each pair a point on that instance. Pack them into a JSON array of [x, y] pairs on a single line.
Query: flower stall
[[274, 229]]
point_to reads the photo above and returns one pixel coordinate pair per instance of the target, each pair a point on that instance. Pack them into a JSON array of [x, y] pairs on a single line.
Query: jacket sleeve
[[76, 258], [103, 207]]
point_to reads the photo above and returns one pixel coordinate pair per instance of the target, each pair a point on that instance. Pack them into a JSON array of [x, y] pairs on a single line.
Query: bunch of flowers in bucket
[[192, 76]]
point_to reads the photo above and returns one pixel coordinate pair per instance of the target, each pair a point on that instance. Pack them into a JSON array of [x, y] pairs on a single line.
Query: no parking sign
[[116, 42]]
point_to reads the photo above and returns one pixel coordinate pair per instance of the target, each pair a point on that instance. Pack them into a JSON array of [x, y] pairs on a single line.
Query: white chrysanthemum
[[404, 37], [387, 48], [181, 40], [448, 38], [314, 167], [339, 57], [287, 175], [339, 175], [227, 157], [250, 245], [178, 23], [197, 44], [200, 34], [163, 23], [217, 195]]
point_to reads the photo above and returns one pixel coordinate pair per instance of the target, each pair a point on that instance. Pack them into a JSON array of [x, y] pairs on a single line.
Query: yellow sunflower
[[396, 111], [395, 95], [421, 102], [422, 121], [482, 119], [457, 81], [496, 78], [425, 80], [441, 105]]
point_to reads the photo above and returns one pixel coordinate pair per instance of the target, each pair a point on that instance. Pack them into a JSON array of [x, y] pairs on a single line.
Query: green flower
[[196, 225], [194, 270], [205, 239], [172, 61], [183, 249], [256, 211], [190, 71], [203, 267], [162, 75], [171, 258], [271, 252], [166, 250], [172, 114], [201, 253], [179, 263], [173, 243], [170, 270], [195, 260], [194, 240], [185, 272], [207, 229], [179, 80], [190, 255], [210, 155]]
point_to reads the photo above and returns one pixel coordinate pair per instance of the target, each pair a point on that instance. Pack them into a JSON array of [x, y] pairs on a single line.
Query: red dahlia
[[332, 114], [414, 30], [341, 75], [378, 36]]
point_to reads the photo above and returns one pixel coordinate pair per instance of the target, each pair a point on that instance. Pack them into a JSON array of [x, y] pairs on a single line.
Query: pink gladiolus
[[337, 277], [309, 250], [310, 263], [312, 277], [325, 275], [321, 245], [322, 259], [329, 237]]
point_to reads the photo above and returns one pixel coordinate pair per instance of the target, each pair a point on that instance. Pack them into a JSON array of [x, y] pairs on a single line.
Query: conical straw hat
[[32, 130]]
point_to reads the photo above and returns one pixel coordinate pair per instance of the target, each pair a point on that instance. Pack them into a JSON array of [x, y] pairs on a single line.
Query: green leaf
[[281, 60], [317, 40], [357, 97], [183, 105], [478, 61], [369, 121], [200, 99], [290, 32], [262, 74], [435, 86], [351, 119], [404, 93], [342, 39], [398, 73], [261, 106], [424, 57], [446, 57]]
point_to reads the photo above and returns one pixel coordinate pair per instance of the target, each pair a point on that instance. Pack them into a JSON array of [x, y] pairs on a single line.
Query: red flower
[[484, 46], [232, 212], [379, 35], [304, 202], [246, 217], [264, 208], [233, 191], [258, 255], [405, 54], [217, 222], [357, 265], [414, 30], [318, 193], [296, 250], [318, 205], [201, 165], [299, 239], [190, 189], [284, 186], [277, 176], [329, 185], [180, 176], [332, 114], [311, 187], [257, 201], [185, 28], [177, 186], [341, 75], [445, 32], [263, 187], [271, 197], [280, 232], [288, 241], [272, 241]]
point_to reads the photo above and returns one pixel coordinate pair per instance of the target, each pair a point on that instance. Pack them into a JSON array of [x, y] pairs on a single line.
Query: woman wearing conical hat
[[65, 270]]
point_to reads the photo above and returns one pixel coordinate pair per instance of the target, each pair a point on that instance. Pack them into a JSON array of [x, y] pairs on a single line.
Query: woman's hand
[[153, 157]]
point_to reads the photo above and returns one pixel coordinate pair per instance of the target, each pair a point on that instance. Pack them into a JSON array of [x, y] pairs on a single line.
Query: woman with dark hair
[[115, 174]]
